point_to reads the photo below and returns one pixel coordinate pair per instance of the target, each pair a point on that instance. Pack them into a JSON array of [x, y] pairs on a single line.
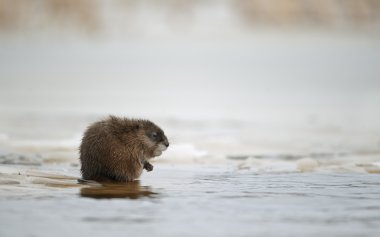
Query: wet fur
[[118, 149]]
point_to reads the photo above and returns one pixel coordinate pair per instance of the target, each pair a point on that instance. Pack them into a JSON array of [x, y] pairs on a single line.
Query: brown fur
[[118, 149]]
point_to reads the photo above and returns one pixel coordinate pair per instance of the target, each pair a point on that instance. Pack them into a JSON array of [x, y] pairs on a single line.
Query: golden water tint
[[132, 190]]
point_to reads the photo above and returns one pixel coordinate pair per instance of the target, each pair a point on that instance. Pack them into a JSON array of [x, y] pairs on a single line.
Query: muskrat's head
[[143, 133], [153, 137]]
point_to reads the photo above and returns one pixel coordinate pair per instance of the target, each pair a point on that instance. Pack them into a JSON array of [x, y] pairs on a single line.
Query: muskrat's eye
[[154, 135]]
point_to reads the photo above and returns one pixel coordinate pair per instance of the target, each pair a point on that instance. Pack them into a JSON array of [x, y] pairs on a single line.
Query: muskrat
[[118, 149]]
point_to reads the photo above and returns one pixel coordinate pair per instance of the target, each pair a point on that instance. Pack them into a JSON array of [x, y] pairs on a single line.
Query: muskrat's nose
[[166, 143]]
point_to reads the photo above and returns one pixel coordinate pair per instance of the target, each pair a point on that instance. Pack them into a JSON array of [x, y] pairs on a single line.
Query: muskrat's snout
[[166, 142], [162, 140]]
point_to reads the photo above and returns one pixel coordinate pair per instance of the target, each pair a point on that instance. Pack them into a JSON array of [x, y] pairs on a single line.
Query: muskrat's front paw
[[148, 166]]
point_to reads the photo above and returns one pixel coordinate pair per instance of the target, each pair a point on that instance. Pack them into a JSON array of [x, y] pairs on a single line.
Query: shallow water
[[194, 201]]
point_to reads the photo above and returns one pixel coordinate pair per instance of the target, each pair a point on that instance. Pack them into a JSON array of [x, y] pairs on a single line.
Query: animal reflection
[[132, 190]]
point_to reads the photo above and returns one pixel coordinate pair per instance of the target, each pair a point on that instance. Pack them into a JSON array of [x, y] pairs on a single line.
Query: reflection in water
[[132, 190]]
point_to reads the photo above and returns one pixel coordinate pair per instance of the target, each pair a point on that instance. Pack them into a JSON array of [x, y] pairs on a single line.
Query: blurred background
[[223, 78]]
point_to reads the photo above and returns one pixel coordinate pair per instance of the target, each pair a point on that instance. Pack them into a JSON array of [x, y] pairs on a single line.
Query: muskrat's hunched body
[[118, 149]]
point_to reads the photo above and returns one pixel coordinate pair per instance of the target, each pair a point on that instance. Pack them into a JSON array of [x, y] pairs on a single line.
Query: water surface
[[194, 201]]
